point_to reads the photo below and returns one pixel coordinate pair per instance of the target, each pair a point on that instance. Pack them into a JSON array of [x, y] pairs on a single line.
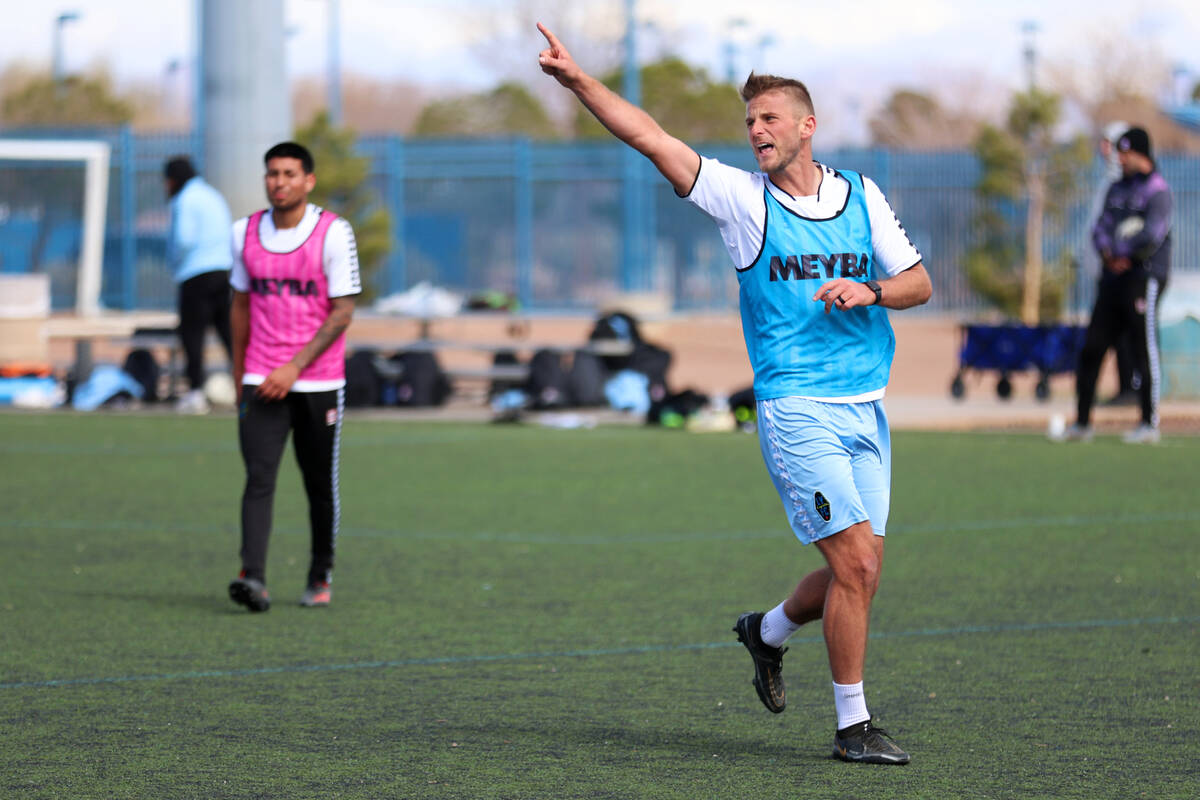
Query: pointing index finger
[[555, 44], [550, 37]]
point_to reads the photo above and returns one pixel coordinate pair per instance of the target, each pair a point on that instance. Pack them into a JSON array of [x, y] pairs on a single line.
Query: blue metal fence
[[546, 221]]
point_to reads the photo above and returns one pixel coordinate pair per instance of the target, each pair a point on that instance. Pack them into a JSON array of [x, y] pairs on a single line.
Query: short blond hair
[[758, 84]]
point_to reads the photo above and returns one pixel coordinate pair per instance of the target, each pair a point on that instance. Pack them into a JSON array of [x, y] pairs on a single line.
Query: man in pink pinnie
[[294, 278]]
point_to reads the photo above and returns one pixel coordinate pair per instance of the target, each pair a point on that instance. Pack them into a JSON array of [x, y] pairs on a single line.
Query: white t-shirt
[[340, 253], [734, 199]]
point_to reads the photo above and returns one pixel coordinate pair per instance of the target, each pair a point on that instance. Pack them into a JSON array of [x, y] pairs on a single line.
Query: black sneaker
[[865, 743], [768, 661], [250, 593]]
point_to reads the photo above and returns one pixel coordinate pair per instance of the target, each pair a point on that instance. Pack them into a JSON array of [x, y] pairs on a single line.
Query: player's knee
[[864, 572], [856, 558], [859, 570]]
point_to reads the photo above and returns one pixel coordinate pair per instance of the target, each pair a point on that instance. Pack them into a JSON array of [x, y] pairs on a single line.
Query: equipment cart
[[1013, 347]]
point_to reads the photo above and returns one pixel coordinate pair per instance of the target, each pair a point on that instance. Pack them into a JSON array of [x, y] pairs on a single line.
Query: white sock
[[776, 627], [851, 704]]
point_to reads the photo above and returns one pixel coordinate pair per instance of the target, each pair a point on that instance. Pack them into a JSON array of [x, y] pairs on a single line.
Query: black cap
[[1135, 139]]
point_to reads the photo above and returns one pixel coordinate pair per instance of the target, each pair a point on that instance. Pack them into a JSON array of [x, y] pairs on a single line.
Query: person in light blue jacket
[[199, 253]]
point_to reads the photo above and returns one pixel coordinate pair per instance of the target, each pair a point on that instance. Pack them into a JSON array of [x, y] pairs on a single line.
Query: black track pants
[[315, 419], [203, 301], [1128, 305]]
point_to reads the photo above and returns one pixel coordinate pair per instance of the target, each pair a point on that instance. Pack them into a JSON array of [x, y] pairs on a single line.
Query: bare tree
[[369, 105], [1119, 81], [506, 40], [36, 99], [915, 120]]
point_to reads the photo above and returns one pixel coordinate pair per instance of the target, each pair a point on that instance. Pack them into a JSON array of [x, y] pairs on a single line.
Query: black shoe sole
[[242, 594], [744, 636], [892, 755], [874, 758]]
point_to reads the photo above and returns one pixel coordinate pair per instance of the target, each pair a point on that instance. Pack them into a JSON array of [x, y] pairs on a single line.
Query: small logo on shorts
[[331, 416], [822, 505]]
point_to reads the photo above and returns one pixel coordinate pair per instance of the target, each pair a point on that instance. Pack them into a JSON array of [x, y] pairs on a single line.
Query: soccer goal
[[24, 219]]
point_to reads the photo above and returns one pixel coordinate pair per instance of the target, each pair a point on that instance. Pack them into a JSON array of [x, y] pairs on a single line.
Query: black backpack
[[744, 408], [144, 369], [653, 362], [676, 408], [547, 385], [504, 358], [585, 381], [421, 381], [616, 326], [364, 386]]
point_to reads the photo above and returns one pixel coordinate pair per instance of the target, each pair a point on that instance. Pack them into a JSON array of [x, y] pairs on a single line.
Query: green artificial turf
[[522, 612]]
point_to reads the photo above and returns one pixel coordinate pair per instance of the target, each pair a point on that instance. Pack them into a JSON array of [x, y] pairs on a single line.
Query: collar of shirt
[[829, 200]]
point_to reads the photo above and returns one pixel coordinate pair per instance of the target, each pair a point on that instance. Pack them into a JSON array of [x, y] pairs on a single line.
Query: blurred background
[[461, 165]]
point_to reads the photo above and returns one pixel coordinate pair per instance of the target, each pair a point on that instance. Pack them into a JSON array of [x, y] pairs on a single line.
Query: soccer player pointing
[[819, 256]]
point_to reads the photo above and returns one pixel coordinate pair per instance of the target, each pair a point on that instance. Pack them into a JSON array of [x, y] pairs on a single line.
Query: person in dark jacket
[[1133, 238], [1128, 379]]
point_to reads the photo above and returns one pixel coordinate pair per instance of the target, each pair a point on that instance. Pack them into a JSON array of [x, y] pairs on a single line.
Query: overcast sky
[[851, 52]]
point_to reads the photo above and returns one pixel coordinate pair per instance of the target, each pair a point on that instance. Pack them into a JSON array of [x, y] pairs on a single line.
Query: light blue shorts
[[831, 463]]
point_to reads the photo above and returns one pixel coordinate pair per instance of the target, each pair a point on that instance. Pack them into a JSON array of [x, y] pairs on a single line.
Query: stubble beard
[[783, 161], [288, 207]]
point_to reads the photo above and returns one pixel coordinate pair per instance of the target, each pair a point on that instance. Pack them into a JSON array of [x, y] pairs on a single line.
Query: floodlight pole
[[1029, 28], [58, 70], [334, 65], [199, 71], [731, 49], [764, 42], [631, 80], [633, 215]]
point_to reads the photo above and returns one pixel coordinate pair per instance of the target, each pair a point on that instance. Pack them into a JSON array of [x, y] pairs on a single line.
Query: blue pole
[[523, 219], [397, 259], [883, 169], [632, 248], [650, 185], [128, 213]]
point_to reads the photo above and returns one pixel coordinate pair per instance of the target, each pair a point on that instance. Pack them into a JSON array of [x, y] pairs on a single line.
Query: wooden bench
[[84, 332], [152, 331], [157, 331]]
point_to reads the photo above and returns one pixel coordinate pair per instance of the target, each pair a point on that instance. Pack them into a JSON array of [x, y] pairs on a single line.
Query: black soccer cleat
[[866, 744], [250, 593], [768, 661]]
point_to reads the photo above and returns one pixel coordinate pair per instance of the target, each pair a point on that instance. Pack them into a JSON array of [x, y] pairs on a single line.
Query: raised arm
[[678, 163]]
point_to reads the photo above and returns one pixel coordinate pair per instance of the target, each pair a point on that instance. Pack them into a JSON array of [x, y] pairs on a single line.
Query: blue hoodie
[[201, 235]]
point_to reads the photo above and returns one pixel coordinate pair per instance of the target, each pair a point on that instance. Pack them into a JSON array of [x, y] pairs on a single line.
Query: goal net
[[53, 204]]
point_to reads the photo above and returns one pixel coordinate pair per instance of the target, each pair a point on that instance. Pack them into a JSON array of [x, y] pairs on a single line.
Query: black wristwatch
[[874, 287]]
